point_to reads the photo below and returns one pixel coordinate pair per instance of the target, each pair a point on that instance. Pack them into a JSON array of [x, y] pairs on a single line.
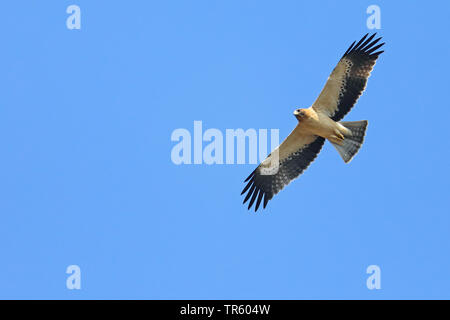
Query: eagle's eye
[[299, 113]]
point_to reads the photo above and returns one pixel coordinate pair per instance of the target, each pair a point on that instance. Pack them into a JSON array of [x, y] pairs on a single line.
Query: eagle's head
[[300, 114]]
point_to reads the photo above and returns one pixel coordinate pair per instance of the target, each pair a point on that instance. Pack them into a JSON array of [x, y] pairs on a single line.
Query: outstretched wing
[[282, 166], [349, 78]]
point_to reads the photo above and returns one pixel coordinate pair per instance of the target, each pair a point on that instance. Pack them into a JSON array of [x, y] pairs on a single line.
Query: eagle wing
[[282, 166], [349, 78]]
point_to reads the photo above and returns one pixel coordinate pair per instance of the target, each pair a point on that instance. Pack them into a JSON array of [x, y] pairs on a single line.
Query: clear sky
[[86, 118]]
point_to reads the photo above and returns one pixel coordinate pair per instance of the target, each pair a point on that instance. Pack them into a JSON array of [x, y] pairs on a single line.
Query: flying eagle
[[317, 123]]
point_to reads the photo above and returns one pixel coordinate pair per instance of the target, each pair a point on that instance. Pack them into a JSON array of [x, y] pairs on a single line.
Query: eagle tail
[[351, 143]]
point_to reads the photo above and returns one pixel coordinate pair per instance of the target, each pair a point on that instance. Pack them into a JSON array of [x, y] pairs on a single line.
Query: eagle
[[320, 121]]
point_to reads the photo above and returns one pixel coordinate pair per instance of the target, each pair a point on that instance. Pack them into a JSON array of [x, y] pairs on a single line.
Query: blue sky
[[87, 179]]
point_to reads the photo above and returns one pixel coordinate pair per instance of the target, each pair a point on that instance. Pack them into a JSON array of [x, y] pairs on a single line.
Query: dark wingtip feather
[[349, 48], [251, 175], [376, 54], [258, 202], [266, 199], [249, 193], [357, 46], [374, 48], [370, 45], [364, 44], [246, 187], [367, 42], [253, 198]]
